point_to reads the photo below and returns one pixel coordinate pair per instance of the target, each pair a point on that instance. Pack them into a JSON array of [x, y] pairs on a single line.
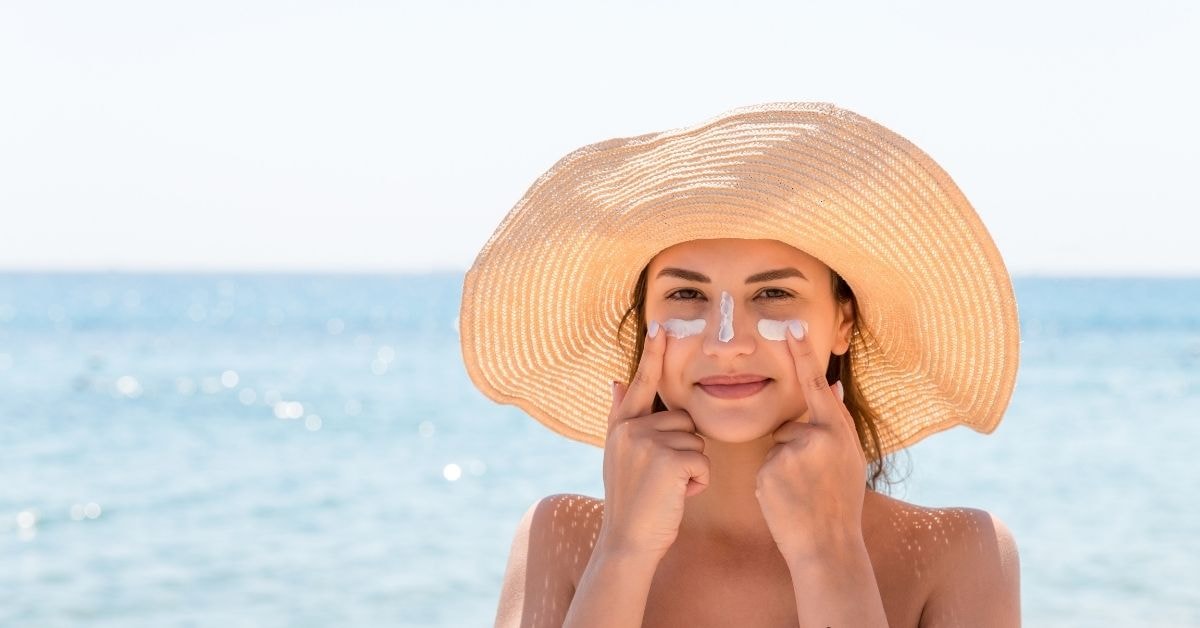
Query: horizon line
[[446, 270]]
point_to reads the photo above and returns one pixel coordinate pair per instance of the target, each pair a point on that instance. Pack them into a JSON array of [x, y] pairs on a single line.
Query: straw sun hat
[[542, 302]]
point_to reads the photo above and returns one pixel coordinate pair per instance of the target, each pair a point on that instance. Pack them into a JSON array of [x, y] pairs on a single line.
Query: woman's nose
[[732, 333]]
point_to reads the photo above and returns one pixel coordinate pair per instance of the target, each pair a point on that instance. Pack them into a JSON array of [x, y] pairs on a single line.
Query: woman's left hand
[[813, 481]]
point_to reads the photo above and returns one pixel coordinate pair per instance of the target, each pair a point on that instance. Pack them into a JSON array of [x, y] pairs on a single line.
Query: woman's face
[[725, 265]]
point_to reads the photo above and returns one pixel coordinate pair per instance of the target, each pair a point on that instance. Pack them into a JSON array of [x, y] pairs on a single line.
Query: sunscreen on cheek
[[772, 330], [726, 333], [679, 328], [776, 330]]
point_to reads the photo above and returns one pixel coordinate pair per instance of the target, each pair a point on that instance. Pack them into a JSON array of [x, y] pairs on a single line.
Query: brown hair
[[866, 420]]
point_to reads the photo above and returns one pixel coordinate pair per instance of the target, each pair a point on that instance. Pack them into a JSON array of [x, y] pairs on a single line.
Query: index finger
[[639, 398], [823, 404]]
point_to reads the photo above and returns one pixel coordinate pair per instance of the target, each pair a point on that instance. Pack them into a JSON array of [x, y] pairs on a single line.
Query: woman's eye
[[675, 295], [782, 293], [778, 294]]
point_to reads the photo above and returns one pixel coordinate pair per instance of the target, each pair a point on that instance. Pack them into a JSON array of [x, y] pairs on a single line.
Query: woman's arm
[[837, 587], [981, 584], [538, 590], [613, 590], [537, 586]]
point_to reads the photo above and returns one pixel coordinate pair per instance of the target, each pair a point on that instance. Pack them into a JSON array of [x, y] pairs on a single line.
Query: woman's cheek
[[672, 387]]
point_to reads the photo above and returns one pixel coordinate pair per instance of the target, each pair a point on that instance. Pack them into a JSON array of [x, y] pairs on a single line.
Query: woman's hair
[[866, 420]]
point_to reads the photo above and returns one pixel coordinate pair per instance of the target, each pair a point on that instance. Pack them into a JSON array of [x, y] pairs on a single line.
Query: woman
[[792, 292]]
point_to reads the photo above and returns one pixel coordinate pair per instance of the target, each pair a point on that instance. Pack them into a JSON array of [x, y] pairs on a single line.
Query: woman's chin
[[732, 426]]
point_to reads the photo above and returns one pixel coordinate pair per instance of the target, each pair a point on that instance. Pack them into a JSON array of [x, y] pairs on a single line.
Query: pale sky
[[389, 136]]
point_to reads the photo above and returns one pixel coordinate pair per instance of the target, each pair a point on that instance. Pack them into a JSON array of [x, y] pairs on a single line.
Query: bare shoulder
[[582, 516], [982, 583], [574, 521], [541, 574], [949, 566], [977, 577]]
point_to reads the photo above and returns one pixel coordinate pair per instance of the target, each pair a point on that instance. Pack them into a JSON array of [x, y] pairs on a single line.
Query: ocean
[[307, 450]]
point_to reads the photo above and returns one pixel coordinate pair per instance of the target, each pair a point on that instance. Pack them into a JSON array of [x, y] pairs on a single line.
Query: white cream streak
[[679, 328], [726, 333], [767, 328], [777, 330]]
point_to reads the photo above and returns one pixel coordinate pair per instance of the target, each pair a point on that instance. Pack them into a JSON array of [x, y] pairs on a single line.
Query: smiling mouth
[[734, 391]]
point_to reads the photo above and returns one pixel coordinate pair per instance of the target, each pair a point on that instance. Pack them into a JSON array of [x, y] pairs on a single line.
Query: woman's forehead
[[734, 251]]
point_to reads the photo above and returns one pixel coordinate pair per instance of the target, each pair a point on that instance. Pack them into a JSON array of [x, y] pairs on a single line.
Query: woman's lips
[[734, 391]]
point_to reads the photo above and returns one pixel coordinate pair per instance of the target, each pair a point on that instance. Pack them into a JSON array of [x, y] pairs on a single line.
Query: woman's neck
[[727, 512]]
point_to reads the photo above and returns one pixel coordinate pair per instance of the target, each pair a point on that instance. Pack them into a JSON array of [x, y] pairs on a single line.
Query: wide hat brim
[[543, 300]]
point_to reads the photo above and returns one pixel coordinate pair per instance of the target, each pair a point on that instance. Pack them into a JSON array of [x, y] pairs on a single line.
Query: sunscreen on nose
[[679, 328], [726, 332]]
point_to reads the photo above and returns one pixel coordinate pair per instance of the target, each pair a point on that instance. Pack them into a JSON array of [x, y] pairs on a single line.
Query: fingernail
[[798, 328], [614, 388], [653, 329], [840, 391]]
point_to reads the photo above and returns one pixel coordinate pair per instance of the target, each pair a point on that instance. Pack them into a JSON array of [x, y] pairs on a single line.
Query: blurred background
[[233, 236]]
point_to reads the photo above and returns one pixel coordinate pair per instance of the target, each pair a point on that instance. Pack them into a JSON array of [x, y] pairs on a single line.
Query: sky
[[394, 136]]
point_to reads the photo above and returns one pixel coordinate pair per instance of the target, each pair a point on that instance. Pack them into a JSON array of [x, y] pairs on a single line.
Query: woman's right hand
[[652, 461]]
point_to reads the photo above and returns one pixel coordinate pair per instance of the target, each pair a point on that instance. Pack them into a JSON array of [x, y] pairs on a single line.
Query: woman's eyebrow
[[770, 275]]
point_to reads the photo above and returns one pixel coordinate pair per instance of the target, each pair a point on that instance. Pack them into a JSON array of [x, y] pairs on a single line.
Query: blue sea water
[[307, 450]]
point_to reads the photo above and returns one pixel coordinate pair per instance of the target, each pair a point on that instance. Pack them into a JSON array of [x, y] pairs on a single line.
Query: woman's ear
[[845, 327]]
